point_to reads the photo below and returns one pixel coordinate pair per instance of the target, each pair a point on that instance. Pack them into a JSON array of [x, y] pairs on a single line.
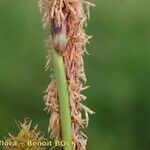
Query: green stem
[[64, 105]]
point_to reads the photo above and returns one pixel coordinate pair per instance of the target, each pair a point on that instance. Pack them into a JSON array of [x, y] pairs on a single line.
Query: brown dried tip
[[25, 135], [67, 19], [60, 38]]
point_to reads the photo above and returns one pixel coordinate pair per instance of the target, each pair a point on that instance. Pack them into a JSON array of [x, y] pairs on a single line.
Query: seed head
[[25, 135]]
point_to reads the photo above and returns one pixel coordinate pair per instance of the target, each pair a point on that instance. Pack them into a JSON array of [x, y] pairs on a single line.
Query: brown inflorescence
[[66, 19]]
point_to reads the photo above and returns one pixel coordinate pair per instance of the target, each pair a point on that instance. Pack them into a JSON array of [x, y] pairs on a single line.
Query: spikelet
[[66, 19], [26, 134]]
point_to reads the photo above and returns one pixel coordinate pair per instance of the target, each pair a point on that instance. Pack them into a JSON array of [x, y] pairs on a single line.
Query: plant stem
[[64, 105]]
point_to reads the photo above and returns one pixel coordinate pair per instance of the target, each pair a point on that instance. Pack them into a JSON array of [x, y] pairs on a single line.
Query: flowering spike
[[67, 20], [26, 134]]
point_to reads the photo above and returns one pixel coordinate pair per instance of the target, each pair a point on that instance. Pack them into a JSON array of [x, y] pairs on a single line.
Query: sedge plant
[[66, 21]]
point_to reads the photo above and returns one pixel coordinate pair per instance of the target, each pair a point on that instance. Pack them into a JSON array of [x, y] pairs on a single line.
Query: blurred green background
[[118, 71]]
